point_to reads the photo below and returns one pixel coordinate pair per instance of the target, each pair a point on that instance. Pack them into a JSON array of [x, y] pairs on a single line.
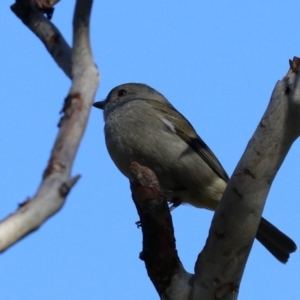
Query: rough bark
[[159, 249]]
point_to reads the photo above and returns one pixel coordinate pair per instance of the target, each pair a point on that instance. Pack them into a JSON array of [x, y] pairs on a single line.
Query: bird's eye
[[121, 93]]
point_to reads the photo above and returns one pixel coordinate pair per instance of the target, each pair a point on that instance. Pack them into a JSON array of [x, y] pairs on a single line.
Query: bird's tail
[[279, 244]]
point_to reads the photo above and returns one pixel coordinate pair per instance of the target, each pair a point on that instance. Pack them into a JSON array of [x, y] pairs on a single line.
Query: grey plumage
[[142, 125]]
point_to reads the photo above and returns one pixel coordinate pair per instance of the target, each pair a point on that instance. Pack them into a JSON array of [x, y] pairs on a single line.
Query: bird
[[142, 126]]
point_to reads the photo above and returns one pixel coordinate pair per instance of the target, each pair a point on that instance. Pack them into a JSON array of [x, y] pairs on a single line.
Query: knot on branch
[[66, 186], [144, 185], [72, 103], [54, 166], [24, 203]]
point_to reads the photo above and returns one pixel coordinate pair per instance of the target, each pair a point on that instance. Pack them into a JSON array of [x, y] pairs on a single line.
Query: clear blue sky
[[217, 62]]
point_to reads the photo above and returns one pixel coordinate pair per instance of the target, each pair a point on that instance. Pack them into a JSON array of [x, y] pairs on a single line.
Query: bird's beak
[[100, 104]]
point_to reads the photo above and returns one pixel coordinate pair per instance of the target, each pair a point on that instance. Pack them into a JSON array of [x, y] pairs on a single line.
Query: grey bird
[[142, 125]]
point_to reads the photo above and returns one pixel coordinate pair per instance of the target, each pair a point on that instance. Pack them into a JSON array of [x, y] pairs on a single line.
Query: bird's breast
[[138, 135]]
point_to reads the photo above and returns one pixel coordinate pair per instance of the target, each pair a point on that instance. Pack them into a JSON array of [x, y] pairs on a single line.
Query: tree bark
[[159, 249], [220, 265], [57, 181]]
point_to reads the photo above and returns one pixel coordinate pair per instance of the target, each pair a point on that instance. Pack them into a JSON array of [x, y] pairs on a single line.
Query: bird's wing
[[186, 132]]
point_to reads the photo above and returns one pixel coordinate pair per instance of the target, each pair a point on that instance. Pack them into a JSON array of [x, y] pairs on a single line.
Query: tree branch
[[159, 250], [56, 182], [32, 16], [220, 266]]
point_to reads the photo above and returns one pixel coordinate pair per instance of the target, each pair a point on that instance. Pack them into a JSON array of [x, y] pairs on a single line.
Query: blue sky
[[217, 62]]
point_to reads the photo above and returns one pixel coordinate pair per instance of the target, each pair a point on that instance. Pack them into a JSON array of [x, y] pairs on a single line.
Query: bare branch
[[221, 264], [56, 182], [159, 250], [46, 31]]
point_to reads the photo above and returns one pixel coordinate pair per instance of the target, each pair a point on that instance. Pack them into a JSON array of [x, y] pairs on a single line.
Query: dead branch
[[159, 250], [56, 182], [220, 266], [31, 15]]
